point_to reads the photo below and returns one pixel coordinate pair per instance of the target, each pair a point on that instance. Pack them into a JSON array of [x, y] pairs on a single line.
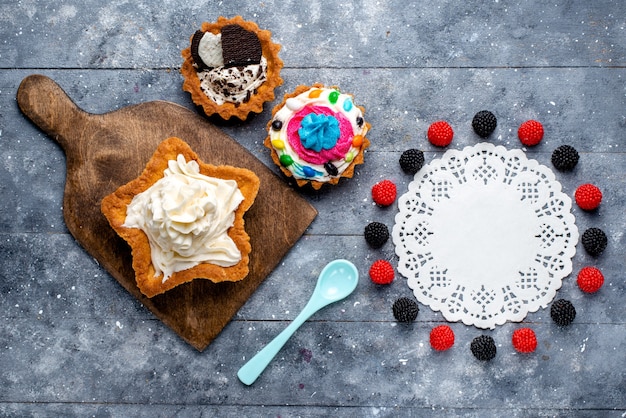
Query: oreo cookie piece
[[240, 47], [195, 46], [206, 50]]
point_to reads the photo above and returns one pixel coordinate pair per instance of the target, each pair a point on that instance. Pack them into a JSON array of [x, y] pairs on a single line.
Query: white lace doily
[[485, 235]]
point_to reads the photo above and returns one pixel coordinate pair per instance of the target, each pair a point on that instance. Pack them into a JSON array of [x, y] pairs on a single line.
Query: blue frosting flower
[[319, 132]]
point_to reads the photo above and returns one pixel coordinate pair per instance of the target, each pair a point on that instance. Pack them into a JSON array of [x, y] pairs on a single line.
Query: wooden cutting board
[[105, 151]]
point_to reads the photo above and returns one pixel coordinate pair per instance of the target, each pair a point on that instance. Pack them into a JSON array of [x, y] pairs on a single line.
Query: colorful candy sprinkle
[[349, 156], [278, 144], [277, 125], [286, 160], [347, 105], [293, 104], [333, 97], [308, 171], [357, 141], [314, 94], [330, 168]]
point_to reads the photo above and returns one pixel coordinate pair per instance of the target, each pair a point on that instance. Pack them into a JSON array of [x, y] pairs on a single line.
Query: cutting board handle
[[45, 103]]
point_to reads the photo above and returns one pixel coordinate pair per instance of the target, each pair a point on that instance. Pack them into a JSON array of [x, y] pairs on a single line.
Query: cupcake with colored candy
[[317, 135], [231, 68]]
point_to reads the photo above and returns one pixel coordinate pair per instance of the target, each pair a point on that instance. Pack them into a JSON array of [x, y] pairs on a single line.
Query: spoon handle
[[250, 371]]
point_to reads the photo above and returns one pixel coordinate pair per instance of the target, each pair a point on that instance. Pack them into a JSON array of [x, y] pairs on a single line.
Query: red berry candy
[[524, 340], [382, 272], [440, 133], [384, 193], [588, 196], [530, 133], [590, 279], [441, 338]]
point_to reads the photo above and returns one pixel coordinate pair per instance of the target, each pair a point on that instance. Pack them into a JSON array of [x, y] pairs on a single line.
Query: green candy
[[286, 160], [333, 96]]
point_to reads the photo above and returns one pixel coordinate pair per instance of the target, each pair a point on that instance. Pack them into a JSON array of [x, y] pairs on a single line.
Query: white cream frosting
[[233, 84], [210, 49], [186, 216]]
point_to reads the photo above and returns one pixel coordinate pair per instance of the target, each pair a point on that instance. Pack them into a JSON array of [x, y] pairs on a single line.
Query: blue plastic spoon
[[336, 281]]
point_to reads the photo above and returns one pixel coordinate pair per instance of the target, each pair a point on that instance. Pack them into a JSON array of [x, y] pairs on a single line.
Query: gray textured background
[[73, 342]]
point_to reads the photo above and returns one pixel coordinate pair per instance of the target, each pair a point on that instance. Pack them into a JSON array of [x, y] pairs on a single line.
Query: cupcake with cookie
[[317, 135], [231, 68]]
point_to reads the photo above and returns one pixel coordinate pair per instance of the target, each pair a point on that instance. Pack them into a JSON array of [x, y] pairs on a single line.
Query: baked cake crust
[[265, 92], [114, 208]]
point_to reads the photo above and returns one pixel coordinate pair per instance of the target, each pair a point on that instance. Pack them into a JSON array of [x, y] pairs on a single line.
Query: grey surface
[[74, 343]]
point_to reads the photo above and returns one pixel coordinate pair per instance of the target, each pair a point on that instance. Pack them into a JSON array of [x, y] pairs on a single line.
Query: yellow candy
[[278, 144], [357, 141], [314, 94]]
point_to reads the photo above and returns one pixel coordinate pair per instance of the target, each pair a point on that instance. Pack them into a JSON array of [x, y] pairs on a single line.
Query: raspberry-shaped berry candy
[[405, 310], [382, 272], [524, 340], [484, 123], [565, 158], [590, 279], [441, 338], [588, 196], [562, 312], [594, 241], [530, 133], [483, 348], [411, 161], [376, 234], [384, 193], [440, 133]]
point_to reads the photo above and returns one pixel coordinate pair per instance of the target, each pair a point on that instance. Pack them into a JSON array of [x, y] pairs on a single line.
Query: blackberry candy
[[565, 158], [484, 123], [376, 234], [562, 312], [594, 241], [405, 310], [411, 161], [483, 348]]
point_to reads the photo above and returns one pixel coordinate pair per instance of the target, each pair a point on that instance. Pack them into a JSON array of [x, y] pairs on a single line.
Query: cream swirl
[[186, 216]]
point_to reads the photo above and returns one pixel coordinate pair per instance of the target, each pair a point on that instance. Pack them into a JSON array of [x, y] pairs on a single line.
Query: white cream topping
[[210, 49], [186, 216], [233, 84]]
